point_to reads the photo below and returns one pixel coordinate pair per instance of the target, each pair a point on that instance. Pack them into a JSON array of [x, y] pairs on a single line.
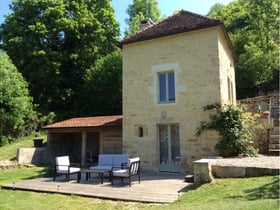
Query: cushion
[[119, 159], [71, 170], [105, 159], [74, 170], [121, 172], [100, 168], [63, 160], [62, 163]]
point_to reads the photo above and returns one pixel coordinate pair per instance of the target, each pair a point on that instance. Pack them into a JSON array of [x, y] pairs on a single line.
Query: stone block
[[203, 171]]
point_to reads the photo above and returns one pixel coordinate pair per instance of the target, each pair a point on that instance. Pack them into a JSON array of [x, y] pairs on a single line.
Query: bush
[[235, 127], [16, 107], [4, 141]]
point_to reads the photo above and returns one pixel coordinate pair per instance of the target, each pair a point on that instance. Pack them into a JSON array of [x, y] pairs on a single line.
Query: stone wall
[[260, 105], [260, 102], [36, 156], [205, 170], [238, 171]]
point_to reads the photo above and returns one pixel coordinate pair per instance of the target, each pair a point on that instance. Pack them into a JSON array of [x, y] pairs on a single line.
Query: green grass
[[246, 193], [9, 152]]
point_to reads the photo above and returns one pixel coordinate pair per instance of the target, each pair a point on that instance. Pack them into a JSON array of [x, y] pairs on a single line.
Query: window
[[166, 87], [230, 89], [140, 131]]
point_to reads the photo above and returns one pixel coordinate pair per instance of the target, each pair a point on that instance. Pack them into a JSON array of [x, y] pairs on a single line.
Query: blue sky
[[167, 7]]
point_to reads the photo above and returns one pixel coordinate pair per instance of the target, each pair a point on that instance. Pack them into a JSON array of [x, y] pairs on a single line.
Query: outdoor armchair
[[132, 168], [62, 166]]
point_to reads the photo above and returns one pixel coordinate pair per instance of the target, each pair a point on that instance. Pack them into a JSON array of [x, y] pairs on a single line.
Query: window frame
[[169, 89]]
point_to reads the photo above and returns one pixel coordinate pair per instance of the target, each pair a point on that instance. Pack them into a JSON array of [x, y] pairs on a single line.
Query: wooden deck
[[154, 187]]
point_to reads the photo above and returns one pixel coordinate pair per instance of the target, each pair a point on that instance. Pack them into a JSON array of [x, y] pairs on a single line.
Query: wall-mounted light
[[163, 114]]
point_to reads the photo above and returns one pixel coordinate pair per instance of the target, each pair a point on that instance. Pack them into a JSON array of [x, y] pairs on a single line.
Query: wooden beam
[[84, 143]]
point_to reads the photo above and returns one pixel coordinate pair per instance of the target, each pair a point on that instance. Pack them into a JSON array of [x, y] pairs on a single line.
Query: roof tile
[[180, 22], [102, 121]]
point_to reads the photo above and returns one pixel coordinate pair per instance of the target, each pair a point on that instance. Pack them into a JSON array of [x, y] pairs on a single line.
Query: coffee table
[[100, 171]]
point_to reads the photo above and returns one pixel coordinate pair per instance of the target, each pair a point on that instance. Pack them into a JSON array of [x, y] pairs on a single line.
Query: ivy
[[235, 126]]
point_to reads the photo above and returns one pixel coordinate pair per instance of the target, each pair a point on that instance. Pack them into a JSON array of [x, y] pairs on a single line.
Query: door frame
[[172, 165]]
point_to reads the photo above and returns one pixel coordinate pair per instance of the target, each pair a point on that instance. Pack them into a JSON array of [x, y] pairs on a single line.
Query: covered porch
[[83, 139]]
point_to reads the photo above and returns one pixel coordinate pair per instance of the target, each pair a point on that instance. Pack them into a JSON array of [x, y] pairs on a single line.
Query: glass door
[[169, 146]]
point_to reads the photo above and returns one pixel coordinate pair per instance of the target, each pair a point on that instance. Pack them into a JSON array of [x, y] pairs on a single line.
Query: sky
[[167, 8]]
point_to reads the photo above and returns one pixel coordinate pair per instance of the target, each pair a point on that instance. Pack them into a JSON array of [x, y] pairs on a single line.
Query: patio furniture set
[[116, 165]]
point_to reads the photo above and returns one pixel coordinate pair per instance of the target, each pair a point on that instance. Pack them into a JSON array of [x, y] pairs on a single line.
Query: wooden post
[[84, 143]]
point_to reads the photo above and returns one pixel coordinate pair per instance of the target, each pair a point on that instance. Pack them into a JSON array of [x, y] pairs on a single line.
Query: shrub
[[235, 127], [16, 108]]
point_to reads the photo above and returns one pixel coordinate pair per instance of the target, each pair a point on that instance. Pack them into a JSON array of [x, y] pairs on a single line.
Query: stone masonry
[[204, 74]]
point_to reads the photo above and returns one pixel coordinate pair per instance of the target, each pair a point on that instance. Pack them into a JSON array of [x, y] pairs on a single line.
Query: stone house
[[172, 69]]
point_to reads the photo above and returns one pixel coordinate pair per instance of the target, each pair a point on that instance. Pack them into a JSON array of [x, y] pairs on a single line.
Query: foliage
[[253, 26], [102, 94], [235, 127], [53, 43], [16, 108], [140, 10]]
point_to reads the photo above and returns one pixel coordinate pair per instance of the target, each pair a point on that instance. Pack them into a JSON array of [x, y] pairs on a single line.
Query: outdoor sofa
[[107, 162]]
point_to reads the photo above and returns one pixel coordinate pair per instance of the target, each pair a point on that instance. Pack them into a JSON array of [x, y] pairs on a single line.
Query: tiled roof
[[83, 122], [180, 22]]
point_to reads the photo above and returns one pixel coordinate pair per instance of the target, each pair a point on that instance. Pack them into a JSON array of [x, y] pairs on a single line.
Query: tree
[[254, 31], [140, 10], [16, 108], [53, 43], [102, 93], [215, 8]]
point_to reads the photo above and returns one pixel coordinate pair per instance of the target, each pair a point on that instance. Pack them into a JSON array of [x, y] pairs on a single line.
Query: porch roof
[[82, 122]]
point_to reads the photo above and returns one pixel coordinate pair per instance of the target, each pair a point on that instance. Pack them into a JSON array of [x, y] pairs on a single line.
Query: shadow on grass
[[267, 191], [45, 172], [189, 188]]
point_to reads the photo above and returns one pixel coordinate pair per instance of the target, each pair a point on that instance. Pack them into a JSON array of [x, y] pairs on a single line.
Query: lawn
[[9, 152], [246, 193]]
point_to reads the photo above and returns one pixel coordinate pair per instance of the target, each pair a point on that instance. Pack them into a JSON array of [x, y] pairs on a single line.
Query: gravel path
[[260, 162]]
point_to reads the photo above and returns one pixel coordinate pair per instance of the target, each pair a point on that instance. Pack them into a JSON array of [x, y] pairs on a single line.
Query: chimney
[[146, 23]]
